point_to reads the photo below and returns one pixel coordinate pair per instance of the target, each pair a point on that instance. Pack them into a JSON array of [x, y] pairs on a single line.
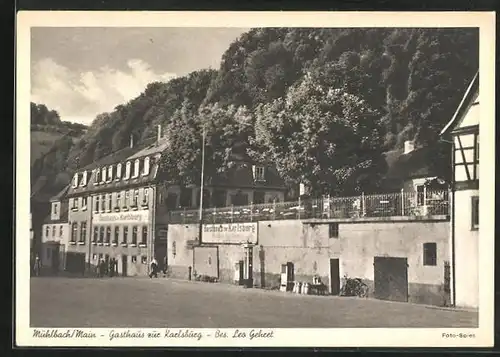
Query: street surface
[[142, 302]]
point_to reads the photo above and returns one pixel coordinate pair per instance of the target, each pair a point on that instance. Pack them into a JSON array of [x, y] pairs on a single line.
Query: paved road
[[142, 302]]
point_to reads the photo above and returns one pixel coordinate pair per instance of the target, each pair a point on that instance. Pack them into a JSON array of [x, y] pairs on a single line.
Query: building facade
[[118, 207], [115, 213], [398, 258], [463, 133], [55, 235]]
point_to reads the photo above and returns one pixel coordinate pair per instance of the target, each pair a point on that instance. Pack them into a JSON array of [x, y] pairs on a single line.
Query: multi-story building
[[463, 133], [118, 206], [55, 234], [113, 211]]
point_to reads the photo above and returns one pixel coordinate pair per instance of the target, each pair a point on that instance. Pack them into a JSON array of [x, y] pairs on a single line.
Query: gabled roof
[[469, 96], [113, 158], [61, 194], [154, 148], [63, 216]]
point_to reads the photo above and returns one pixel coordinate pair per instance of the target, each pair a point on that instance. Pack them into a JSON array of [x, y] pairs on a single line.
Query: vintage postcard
[[245, 179]]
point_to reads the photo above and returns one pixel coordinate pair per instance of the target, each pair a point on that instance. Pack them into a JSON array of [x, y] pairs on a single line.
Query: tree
[[226, 130], [323, 137]]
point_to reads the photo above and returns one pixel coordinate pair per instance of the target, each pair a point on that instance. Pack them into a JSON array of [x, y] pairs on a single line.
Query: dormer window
[[83, 182], [110, 174], [145, 170], [97, 176], [127, 170], [258, 173], [118, 174], [136, 168], [103, 173], [75, 181]]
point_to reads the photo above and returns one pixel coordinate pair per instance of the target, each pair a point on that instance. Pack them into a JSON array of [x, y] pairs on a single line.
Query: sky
[[82, 72]]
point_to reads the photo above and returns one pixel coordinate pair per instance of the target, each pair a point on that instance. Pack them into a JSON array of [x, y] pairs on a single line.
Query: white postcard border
[[344, 337]]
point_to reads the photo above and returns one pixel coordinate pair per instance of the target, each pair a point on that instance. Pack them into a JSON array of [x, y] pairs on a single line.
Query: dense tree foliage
[[324, 137], [323, 105]]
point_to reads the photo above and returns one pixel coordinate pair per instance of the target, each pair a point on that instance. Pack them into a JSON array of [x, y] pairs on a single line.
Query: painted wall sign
[[230, 233], [128, 217]]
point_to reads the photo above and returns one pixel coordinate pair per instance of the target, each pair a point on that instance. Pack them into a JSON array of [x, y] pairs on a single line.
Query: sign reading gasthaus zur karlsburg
[[230, 233]]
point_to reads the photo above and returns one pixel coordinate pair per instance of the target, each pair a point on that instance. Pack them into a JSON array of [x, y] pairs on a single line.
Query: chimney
[[131, 141], [409, 146], [160, 134]]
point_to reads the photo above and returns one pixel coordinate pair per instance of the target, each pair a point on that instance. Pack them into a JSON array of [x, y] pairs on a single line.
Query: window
[[117, 235], [60, 231], [127, 170], [118, 173], [144, 259], [75, 181], [171, 201], [101, 235], [135, 198], [108, 235], [144, 237], [103, 173], [83, 232], [174, 248], [96, 235], [136, 168], [75, 204], [134, 259], [110, 173], [420, 195], [103, 203], [84, 203], [97, 176], [475, 213], [110, 203], [258, 173], [47, 230], [333, 230], [134, 235], [430, 254], [126, 199], [83, 183], [258, 197], [239, 199], [54, 206], [145, 197], [54, 231], [145, 170], [186, 197], [118, 200], [97, 201], [125, 235], [74, 231]]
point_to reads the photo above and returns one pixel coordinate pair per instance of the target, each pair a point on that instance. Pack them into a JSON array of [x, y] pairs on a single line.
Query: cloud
[[80, 96]]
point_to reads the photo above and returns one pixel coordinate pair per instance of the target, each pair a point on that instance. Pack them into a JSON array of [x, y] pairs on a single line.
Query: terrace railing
[[398, 204]]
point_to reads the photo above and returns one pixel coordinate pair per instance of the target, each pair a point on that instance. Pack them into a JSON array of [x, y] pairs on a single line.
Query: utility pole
[[202, 184]]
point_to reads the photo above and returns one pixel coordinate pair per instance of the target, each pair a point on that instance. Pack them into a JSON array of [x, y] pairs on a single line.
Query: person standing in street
[[154, 269], [37, 266]]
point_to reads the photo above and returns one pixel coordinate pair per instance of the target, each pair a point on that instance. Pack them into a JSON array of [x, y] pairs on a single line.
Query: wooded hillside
[[323, 105]]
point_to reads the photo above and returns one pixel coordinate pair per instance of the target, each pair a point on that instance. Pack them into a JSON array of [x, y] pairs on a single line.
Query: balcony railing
[[399, 204]]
